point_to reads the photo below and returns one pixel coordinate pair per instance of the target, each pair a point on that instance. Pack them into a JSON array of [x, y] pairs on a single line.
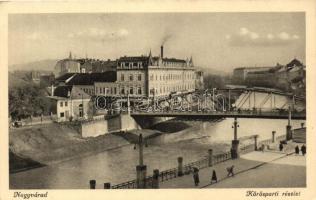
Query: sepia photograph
[[157, 100]]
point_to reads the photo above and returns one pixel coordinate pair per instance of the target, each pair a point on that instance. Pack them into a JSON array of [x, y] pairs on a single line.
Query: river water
[[118, 165]]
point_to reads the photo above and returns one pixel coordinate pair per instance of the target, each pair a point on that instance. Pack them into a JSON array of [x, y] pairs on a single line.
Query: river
[[118, 165]]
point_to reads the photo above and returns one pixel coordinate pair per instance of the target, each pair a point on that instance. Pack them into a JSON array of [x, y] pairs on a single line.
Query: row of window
[[168, 89], [88, 90], [61, 104], [132, 77], [166, 77], [131, 65], [123, 90]]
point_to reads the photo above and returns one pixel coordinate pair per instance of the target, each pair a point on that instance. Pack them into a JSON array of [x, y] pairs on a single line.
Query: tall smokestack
[[161, 51]]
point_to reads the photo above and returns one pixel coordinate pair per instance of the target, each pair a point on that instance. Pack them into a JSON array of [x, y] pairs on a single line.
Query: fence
[[200, 164], [34, 121]]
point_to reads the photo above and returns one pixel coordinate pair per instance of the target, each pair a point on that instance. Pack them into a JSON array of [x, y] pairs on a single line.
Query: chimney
[[161, 51]]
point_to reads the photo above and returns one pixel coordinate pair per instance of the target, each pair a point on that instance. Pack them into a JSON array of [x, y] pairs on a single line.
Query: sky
[[219, 41]]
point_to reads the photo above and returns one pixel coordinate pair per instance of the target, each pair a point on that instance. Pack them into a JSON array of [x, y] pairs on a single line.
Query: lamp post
[[235, 141], [141, 168]]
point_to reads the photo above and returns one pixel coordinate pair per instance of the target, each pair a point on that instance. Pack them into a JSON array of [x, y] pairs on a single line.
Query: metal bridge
[[227, 102]]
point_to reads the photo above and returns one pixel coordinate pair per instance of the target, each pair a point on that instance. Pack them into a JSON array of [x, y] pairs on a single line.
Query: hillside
[[41, 65]]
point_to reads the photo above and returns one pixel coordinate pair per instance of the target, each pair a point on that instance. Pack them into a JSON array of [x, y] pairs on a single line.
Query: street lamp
[[141, 168]]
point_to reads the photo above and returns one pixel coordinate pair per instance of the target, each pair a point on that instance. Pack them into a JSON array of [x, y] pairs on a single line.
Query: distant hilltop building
[[289, 77], [83, 65]]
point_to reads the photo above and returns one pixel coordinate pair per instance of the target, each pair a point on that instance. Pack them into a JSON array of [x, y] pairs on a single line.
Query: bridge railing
[[200, 164], [240, 113]]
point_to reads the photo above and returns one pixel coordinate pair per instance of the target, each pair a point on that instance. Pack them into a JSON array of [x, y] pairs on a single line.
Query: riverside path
[[254, 169]]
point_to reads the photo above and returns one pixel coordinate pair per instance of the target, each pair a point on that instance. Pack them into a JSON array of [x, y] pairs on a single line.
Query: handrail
[[200, 164]]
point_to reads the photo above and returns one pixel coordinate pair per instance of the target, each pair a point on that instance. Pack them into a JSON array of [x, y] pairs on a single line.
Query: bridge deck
[[203, 115]]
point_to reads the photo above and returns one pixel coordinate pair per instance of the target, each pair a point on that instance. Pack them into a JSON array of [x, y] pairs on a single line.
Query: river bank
[[53, 143]]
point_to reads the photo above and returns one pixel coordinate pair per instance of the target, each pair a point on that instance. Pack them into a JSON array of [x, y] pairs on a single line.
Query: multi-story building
[[86, 65], [138, 76], [240, 74], [68, 65], [154, 76]]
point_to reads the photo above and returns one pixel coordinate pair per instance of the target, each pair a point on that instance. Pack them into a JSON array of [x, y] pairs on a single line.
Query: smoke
[[166, 38]]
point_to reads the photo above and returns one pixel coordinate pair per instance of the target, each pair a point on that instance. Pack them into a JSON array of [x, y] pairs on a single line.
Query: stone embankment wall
[[108, 125]]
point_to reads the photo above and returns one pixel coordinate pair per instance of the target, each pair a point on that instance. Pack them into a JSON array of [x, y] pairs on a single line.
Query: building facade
[[71, 103], [140, 76], [83, 65]]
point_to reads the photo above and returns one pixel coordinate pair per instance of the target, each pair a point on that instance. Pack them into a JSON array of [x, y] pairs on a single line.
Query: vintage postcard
[[190, 98]]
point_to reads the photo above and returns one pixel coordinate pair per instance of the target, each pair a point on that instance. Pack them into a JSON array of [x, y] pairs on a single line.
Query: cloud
[[99, 34], [246, 37]]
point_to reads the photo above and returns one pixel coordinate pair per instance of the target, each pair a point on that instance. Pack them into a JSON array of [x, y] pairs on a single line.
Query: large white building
[[148, 76]]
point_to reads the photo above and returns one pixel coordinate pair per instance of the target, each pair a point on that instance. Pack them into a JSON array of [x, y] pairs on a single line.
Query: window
[[100, 90], [131, 77], [131, 90], [122, 77], [61, 104], [139, 90], [122, 91], [140, 77], [66, 104], [80, 110], [114, 90], [62, 114], [151, 77], [104, 90]]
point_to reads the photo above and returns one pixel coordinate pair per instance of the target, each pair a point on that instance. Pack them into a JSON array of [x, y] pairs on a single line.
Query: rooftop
[[69, 92], [90, 78]]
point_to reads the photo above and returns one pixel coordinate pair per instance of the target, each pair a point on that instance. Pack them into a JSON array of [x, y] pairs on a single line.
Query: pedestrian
[[281, 146], [230, 171], [303, 149], [297, 150], [214, 177], [262, 148], [196, 176]]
